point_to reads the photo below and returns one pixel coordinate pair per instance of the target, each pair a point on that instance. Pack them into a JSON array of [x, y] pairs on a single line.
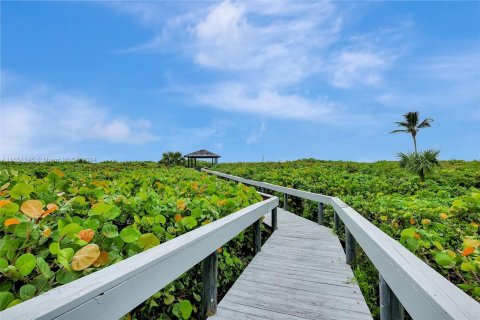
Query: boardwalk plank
[[301, 273]]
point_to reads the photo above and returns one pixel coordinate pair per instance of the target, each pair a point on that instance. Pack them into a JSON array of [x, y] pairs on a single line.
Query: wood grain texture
[[423, 292], [297, 275]]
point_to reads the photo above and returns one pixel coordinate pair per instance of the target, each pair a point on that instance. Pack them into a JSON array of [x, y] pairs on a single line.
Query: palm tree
[[423, 163], [411, 125], [171, 158]]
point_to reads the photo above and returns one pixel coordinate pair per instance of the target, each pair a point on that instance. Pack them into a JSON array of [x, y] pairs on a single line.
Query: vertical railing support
[[350, 247], [285, 202], [390, 306], [321, 214], [336, 221], [209, 280], [257, 236], [274, 219]]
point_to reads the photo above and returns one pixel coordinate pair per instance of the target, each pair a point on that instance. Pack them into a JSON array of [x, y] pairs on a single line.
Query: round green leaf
[[185, 308], [23, 229], [65, 276], [147, 241], [110, 230], [196, 213], [3, 263], [160, 219], [44, 268], [27, 292], [5, 299], [189, 222], [444, 260], [25, 264], [54, 248], [64, 257], [129, 234], [70, 229], [21, 190], [9, 209]]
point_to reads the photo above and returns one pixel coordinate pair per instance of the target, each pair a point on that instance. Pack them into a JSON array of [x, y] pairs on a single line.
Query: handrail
[[423, 292], [113, 291], [285, 190]]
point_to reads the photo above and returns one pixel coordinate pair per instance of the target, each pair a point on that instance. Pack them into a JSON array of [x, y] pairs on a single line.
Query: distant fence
[[115, 290], [405, 280]]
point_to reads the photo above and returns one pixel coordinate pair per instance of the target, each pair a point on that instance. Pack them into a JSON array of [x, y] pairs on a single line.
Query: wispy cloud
[[265, 102], [256, 136], [261, 50], [38, 119]]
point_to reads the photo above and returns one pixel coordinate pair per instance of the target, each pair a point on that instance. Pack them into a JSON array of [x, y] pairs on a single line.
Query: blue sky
[[248, 80]]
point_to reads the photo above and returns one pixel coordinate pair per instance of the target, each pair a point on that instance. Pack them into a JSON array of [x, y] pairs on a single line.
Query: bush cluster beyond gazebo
[[201, 154]]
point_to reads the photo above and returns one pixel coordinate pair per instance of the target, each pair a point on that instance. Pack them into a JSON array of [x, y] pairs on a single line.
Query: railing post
[[257, 236], [390, 306], [321, 214], [274, 219], [350, 246], [209, 280], [285, 202], [336, 221]]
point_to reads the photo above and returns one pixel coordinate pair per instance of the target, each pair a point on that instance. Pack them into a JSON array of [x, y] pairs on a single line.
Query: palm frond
[[425, 123]]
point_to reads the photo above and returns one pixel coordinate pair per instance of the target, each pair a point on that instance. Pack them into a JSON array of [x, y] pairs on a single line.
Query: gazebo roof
[[202, 154]]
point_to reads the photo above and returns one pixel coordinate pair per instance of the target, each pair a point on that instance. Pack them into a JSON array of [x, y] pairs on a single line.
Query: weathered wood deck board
[[300, 273]]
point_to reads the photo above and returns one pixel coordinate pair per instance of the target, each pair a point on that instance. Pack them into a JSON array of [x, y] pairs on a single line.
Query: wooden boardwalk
[[300, 273]]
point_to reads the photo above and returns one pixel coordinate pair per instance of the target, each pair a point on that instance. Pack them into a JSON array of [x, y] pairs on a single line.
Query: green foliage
[[423, 163], [120, 208], [438, 219], [171, 158]]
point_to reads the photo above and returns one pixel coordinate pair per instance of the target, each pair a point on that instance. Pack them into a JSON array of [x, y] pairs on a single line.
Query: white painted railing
[[113, 291], [423, 292]]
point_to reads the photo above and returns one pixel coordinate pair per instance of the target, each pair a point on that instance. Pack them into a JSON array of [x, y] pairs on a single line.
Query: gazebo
[[201, 154]]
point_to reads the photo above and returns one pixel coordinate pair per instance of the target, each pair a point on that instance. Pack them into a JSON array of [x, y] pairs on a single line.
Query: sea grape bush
[[437, 219], [59, 222]]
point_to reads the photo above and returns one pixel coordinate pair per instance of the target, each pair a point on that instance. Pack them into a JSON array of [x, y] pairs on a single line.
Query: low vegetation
[[437, 219], [59, 222]]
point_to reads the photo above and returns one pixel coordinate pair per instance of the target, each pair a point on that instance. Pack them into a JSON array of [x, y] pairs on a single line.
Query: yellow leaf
[[412, 221], [443, 216], [85, 257], [438, 245], [471, 243], [51, 207], [3, 203], [47, 232], [32, 208], [5, 186], [11, 221], [425, 221], [178, 217], [102, 259], [383, 218], [467, 251], [58, 172], [86, 235], [181, 205]]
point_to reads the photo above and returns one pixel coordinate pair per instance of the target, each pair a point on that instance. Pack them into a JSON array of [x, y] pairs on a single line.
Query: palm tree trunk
[[414, 143]]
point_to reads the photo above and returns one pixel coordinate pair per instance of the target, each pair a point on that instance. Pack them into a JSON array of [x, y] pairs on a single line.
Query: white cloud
[[262, 51], [352, 68], [36, 118], [255, 137], [270, 103]]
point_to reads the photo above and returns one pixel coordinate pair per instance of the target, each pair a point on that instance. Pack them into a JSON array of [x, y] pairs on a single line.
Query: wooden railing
[[405, 280], [113, 291]]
